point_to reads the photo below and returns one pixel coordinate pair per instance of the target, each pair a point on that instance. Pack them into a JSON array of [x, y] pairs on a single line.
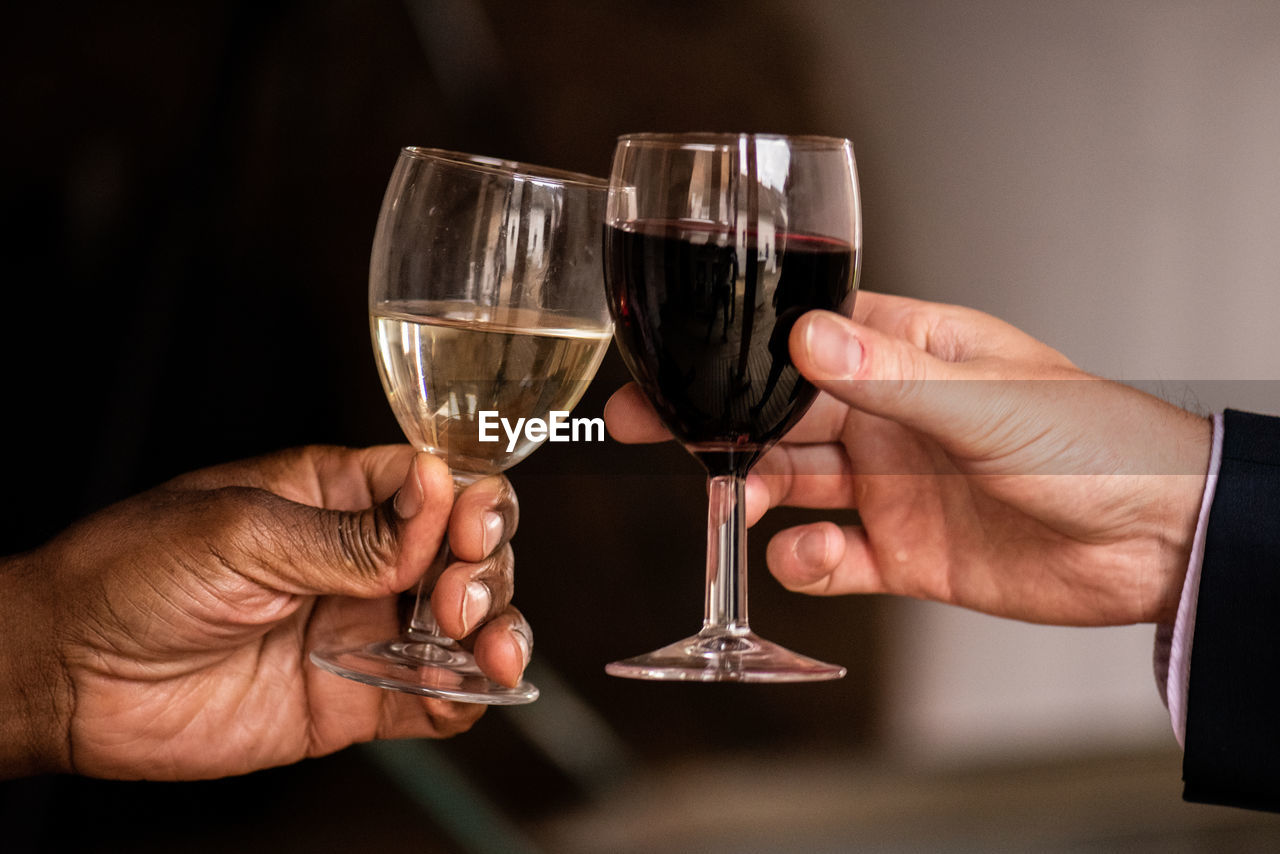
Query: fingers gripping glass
[[715, 245], [484, 297]]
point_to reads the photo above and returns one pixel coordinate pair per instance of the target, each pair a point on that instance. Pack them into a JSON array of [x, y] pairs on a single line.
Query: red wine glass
[[715, 245]]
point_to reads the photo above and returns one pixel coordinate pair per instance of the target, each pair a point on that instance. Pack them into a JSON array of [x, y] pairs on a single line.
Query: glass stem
[[422, 623], [726, 611]]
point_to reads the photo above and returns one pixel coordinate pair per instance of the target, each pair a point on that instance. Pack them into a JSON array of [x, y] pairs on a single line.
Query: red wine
[[705, 332]]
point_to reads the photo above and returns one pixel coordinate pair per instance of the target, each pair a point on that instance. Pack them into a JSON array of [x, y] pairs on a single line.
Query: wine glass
[[715, 244], [485, 303]]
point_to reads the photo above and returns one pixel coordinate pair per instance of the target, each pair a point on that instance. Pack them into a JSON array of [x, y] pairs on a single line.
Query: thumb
[[377, 551], [951, 402]]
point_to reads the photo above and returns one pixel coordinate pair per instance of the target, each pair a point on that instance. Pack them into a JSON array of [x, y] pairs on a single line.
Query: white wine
[[443, 363]]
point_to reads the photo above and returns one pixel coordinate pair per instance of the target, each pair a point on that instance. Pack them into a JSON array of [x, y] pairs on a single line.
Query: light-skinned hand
[[987, 470]]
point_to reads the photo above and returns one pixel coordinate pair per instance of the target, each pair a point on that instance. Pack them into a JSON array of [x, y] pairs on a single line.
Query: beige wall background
[[1105, 176]]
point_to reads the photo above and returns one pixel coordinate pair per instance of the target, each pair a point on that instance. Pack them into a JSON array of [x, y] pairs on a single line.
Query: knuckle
[[284, 464], [508, 505], [449, 718], [778, 474], [919, 328], [902, 376], [365, 541], [504, 561], [498, 574], [521, 626], [462, 721], [945, 340]]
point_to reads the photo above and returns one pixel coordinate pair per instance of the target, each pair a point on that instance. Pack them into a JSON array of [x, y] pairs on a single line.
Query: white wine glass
[[715, 245], [485, 296]]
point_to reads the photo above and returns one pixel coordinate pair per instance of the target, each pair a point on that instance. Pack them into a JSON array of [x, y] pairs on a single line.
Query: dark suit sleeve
[[1233, 694]]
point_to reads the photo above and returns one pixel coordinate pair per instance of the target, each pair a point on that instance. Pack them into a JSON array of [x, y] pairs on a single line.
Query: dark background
[[189, 193]]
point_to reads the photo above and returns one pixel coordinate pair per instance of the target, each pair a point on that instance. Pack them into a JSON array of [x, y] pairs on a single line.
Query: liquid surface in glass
[[703, 320], [444, 363]]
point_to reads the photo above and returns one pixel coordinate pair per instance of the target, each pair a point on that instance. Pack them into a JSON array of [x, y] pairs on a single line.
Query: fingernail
[[812, 548], [832, 349], [475, 604], [492, 522], [409, 499], [526, 648]]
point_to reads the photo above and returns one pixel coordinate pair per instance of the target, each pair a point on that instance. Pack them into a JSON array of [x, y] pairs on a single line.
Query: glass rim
[[681, 139], [502, 166]]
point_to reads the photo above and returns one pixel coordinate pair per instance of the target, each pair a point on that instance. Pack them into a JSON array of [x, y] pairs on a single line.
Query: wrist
[[1178, 511], [34, 689]]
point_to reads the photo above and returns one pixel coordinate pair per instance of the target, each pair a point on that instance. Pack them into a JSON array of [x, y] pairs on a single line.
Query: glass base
[[415, 664], [725, 656]]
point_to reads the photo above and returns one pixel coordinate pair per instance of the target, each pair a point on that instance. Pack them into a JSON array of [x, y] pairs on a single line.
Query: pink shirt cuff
[[1172, 656]]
